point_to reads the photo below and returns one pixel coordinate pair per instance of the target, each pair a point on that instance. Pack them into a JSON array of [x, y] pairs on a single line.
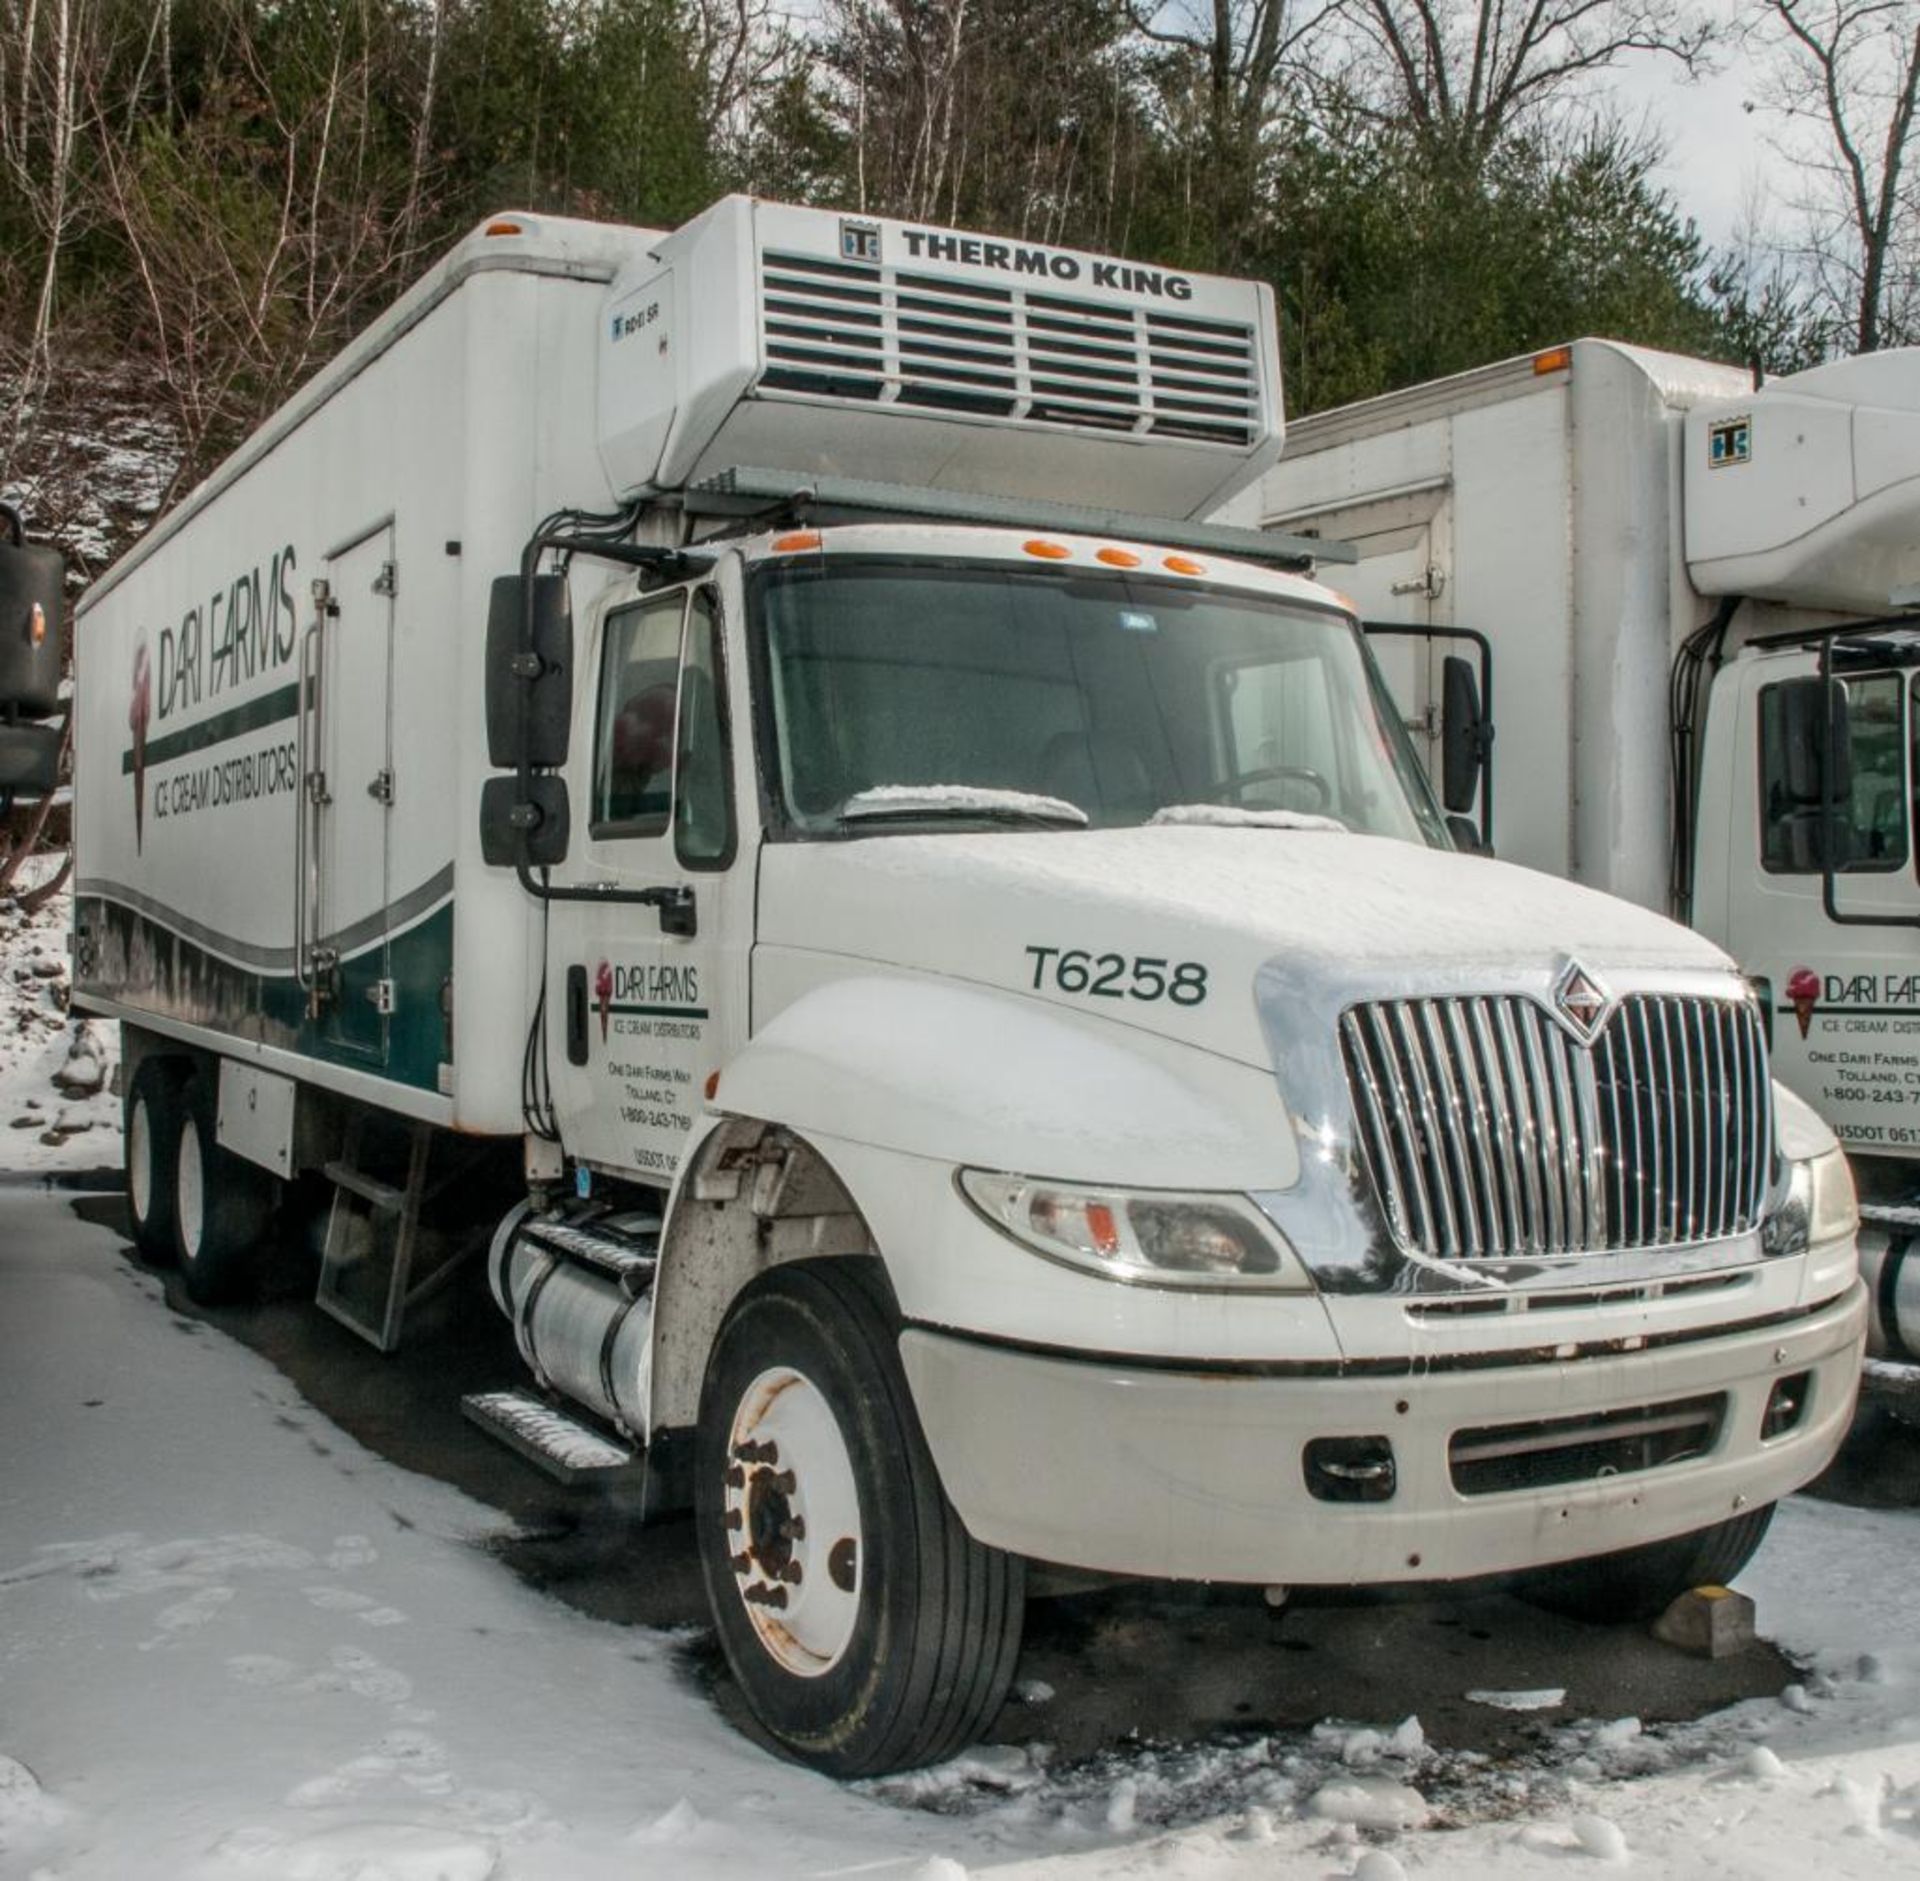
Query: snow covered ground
[[57, 1108], [235, 1646]]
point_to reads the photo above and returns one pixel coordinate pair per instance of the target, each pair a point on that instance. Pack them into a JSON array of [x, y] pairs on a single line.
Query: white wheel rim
[[140, 1161], [793, 1522], [190, 1199]]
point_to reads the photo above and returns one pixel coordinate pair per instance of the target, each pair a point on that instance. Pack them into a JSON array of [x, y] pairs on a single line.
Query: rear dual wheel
[[222, 1203], [867, 1629], [189, 1200]]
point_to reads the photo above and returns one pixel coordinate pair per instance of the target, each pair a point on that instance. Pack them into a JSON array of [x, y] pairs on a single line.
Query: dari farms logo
[[139, 715]]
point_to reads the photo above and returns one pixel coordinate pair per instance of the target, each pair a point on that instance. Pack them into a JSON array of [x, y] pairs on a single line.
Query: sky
[[1719, 152]]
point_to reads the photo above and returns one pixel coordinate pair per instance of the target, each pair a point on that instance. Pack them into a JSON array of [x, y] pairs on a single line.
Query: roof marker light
[[798, 542], [1183, 565], [1555, 359], [1047, 551], [1117, 558], [504, 228]]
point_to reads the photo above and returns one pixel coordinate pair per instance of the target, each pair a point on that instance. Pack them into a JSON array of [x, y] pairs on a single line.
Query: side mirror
[[32, 583], [1818, 751], [543, 816], [1466, 836], [1466, 735], [544, 677]]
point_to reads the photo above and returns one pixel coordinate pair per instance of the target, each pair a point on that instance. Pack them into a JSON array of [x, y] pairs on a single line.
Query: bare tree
[[52, 46], [1844, 84], [1470, 72]]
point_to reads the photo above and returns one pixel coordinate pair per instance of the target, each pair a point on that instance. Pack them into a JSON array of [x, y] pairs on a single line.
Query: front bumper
[[1189, 1473]]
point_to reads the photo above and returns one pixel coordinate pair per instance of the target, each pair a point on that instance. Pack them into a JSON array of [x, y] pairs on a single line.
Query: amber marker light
[[37, 626], [1554, 359], [1103, 1228], [1183, 565], [1117, 558], [1047, 551], [797, 543], [505, 228], [712, 1085]]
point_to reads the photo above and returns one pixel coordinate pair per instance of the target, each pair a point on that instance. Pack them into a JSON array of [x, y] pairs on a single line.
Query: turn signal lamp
[[1047, 551]]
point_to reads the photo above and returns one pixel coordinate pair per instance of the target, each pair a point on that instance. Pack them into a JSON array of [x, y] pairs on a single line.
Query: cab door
[[645, 1004], [1845, 996]]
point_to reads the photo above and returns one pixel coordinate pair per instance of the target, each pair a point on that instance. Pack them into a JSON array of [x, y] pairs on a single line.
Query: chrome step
[[623, 1248], [564, 1447]]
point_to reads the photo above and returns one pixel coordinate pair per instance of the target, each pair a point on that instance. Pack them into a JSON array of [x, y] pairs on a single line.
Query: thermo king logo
[[859, 241]]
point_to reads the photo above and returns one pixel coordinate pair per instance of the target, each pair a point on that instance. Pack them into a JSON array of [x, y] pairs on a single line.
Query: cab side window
[[703, 801], [1869, 821], [634, 729]]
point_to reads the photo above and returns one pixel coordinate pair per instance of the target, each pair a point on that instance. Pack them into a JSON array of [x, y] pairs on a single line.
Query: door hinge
[[387, 582], [381, 788], [380, 996], [1430, 581], [317, 788]]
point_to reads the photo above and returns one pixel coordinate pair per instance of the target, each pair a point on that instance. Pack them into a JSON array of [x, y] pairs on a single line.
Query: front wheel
[[1642, 1583], [868, 1630]]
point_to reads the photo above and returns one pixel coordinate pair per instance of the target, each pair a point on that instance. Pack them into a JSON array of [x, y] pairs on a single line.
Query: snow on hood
[[977, 907]]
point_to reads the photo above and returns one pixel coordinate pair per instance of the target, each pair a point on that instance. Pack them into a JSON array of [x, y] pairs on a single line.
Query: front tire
[[150, 1141], [869, 1632], [1642, 1583], [222, 1202]]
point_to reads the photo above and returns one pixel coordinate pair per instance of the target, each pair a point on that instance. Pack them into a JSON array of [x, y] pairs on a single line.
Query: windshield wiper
[[962, 802]]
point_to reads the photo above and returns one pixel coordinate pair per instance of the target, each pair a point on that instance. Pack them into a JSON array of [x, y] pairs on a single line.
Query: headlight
[[1152, 1235], [1820, 1206]]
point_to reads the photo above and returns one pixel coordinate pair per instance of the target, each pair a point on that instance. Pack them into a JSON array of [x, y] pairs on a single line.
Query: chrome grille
[[1492, 1132], [893, 336]]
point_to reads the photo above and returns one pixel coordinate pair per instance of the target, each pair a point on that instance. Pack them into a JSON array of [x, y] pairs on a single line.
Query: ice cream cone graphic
[[1803, 992], [138, 713], [603, 996]]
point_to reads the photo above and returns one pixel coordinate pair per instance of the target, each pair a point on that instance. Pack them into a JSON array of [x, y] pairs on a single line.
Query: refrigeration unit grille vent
[[894, 336]]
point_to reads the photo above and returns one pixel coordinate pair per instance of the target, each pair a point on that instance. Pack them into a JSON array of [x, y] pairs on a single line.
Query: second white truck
[[1702, 599], [957, 1017]]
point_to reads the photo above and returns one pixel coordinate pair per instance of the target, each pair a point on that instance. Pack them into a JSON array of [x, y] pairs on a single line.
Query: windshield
[[957, 693]]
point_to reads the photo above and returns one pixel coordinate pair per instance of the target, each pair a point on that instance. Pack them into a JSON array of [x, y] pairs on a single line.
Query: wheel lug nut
[[736, 1477], [784, 1482], [795, 1529], [734, 1519], [742, 1564], [791, 1573]]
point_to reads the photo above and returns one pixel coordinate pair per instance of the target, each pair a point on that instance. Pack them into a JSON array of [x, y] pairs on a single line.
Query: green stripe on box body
[[129, 955], [235, 722]]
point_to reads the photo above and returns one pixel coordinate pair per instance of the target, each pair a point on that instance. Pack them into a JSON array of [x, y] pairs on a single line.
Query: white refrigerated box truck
[[960, 1014], [1700, 598]]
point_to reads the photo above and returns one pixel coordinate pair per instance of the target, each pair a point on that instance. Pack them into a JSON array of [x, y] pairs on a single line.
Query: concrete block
[[1709, 1622]]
